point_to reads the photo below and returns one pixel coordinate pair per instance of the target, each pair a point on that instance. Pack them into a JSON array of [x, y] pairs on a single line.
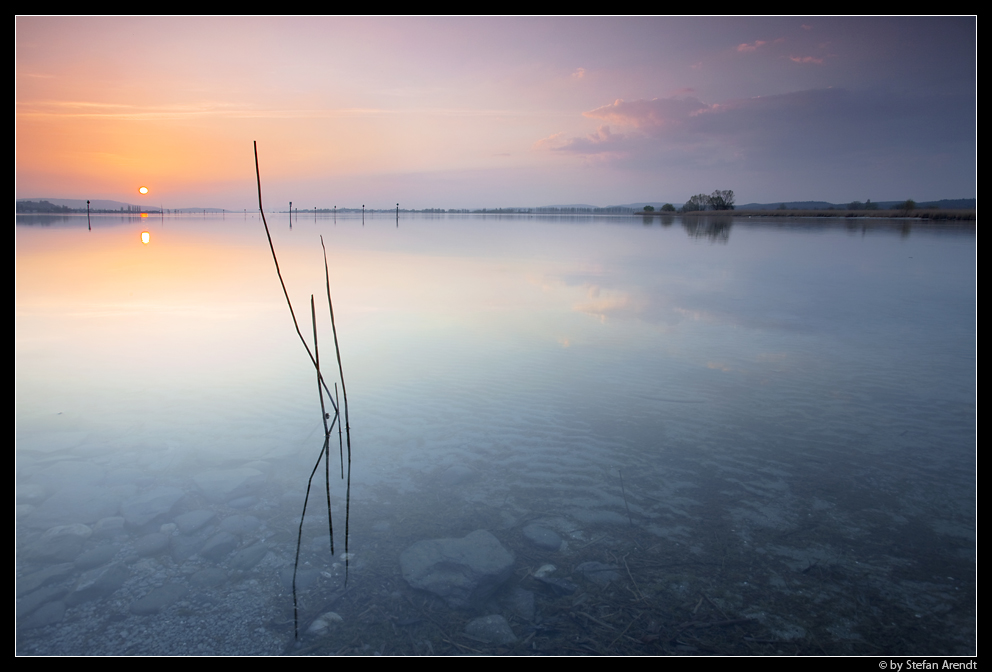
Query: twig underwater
[[335, 403]]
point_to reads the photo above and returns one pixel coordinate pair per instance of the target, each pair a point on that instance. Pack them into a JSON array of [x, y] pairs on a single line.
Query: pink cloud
[[648, 114], [727, 130], [602, 140], [806, 59], [745, 48], [748, 48], [645, 118], [553, 141]]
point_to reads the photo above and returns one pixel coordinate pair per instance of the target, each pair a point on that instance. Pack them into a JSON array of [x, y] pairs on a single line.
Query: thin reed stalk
[[340, 440], [347, 423], [279, 273], [299, 540], [327, 432], [333, 399]]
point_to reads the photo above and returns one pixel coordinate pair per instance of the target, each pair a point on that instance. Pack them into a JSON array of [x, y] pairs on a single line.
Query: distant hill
[[791, 205], [951, 204], [79, 205], [945, 204], [571, 206], [39, 207]]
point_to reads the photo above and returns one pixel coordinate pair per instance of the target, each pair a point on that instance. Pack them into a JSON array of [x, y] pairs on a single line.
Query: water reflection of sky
[[195, 319], [804, 394]]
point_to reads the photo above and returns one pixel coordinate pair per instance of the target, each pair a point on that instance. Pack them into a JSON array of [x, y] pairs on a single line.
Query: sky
[[494, 112]]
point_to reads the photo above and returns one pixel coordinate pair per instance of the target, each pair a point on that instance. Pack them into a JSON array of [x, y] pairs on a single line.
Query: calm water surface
[[766, 428]]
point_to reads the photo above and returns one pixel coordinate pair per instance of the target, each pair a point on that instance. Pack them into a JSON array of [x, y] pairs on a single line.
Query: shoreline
[[931, 215]]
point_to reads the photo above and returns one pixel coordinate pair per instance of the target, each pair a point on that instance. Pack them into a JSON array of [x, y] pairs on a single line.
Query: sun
[[142, 190]]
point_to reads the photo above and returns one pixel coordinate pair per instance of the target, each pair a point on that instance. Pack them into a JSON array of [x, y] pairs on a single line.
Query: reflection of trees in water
[[717, 229]]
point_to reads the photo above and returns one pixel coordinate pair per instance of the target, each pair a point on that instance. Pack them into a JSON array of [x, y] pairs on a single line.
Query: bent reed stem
[[321, 388]]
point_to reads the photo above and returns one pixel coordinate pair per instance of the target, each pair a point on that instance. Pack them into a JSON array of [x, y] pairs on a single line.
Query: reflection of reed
[[321, 388]]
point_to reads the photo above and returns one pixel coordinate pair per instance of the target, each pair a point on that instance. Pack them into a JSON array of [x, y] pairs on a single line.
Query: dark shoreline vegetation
[[825, 217], [933, 215], [701, 204]]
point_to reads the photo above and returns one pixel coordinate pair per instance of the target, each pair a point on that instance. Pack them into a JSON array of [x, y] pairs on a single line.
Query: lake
[[710, 436]]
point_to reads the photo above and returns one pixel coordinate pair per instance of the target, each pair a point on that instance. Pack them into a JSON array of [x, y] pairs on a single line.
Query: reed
[[325, 416], [347, 423]]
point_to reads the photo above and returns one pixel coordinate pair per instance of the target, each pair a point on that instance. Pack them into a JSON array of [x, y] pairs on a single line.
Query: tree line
[[39, 206], [718, 200]]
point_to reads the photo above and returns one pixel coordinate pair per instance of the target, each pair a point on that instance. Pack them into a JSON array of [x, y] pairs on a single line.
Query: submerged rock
[[558, 587], [98, 583], [304, 577], [49, 614], [158, 599], [61, 543], [152, 544], [464, 572], [324, 623], [491, 629], [219, 546], [542, 537], [599, 573], [79, 505], [545, 570], [36, 580], [243, 502], [32, 601], [96, 557], [110, 527], [521, 602], [191, 521], [150, 505], [223, 485], [240, 524], [247, 558]]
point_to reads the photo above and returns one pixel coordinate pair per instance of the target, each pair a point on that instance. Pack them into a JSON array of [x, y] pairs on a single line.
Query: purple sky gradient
[[470, 112]]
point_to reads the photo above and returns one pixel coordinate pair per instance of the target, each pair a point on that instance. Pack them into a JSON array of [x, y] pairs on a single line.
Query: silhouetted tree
[[722, 200], [697, 202]]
